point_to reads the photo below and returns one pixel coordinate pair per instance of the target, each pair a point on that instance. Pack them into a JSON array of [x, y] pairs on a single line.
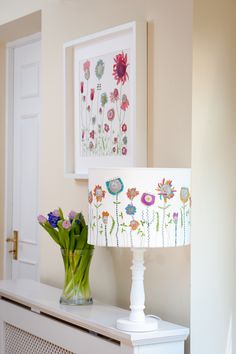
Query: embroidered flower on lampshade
[[115, 186], [148, 199]]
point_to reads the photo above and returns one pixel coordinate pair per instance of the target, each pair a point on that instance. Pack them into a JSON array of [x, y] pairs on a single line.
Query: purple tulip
[[175, 217], [72, 214], [66, 224], [42, 219]]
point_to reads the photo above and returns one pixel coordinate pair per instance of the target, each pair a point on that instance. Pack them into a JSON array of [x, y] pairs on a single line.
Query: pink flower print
[[88, 108], [114, 96], [82, 87], [124, 128], [106, 128], [91, 134], [91, 145], [100, 110], [124, 150], [92, 94], [83, 135], [115, 140], [87, 69], [114, 149], [86, 65], [120, 68], [84, 98], [111, 114], [125, 103]]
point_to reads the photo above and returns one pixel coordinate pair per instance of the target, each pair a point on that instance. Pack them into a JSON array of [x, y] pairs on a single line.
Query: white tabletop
[[98, 317]]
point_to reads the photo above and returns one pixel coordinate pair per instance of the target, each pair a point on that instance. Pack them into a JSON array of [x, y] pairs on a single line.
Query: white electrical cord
[[154, 316]]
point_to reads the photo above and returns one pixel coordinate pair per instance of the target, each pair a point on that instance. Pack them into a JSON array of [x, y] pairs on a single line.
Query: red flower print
[[92, 94], [115, 140], [111, 114], [82, 87], [124, 150], [114, 149], [86, 65], [114, 96], [125, 103], [120, 68], [124, 128], [91, 134], [98, 193], [106, 128], [132, 193]]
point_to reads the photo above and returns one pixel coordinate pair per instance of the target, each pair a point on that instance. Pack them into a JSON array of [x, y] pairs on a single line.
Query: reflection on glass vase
[[76, 289]]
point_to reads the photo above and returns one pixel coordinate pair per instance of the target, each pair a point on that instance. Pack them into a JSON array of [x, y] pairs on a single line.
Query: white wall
[[213, 184]]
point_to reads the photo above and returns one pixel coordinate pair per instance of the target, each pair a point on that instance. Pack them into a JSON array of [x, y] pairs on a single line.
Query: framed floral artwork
[[109, 112]]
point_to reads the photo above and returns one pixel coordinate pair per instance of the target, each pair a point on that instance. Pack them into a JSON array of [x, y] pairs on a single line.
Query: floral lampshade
[[139, 207]]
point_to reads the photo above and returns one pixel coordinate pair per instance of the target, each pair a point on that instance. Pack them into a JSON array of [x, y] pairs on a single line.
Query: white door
[[25, 161]]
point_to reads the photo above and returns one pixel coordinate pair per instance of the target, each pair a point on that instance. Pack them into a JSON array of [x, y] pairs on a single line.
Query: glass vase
[[76, 289]]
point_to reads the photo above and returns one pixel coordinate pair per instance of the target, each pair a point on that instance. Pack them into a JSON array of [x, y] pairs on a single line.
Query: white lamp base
[[149, 324], [137, 321]]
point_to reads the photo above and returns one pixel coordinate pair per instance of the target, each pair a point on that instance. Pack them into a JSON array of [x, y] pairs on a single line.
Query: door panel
[[26, 158]]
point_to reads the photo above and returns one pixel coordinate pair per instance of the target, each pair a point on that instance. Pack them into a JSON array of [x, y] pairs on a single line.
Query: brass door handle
[[14, 240]]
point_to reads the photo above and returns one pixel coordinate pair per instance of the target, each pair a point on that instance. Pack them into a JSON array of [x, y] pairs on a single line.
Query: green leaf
[[112, 226]]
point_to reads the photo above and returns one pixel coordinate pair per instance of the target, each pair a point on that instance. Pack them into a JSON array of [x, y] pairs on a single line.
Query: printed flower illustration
[[92, 134], [99, 69], [114, 96], [91, 145], [100, 110], [115, 140], [184, 194], [130, 209], [124, 150], [175, 220], [132, 193], [106, 127], [125, 140], [165, 189], [120, 68], [83, 133], [124, 102], [90, 197], [99, 193], [124, 128], [115, 186], [105, 215], [87, 69], [148, 199], [82, 87], [88, 108], [111, 114], [92, 94], [114, 149], [103, 99], [166, 192], [134, 224]]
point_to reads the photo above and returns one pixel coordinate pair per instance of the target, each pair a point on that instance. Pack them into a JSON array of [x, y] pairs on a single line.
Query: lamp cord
[[154, 316]]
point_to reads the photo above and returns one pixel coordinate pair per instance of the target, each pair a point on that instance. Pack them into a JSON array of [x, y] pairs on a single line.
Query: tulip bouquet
[[71, 235]]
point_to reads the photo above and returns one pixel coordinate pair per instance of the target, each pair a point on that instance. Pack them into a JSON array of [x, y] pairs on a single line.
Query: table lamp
[[139, 208]]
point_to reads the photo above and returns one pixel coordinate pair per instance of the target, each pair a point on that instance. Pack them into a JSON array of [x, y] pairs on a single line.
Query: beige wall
[[167, 276], [213, 184]]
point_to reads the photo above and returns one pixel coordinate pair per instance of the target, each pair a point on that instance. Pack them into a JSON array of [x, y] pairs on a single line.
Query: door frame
[[9, 140]]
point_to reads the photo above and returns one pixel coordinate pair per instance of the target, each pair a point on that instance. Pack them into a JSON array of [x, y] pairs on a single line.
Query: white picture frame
[[106, 100]]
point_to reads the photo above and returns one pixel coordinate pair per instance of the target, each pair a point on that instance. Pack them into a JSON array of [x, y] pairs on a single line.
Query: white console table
[[33, 322]]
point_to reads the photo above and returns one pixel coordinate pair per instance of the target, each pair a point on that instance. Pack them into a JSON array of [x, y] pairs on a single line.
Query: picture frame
[[106, 100]]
